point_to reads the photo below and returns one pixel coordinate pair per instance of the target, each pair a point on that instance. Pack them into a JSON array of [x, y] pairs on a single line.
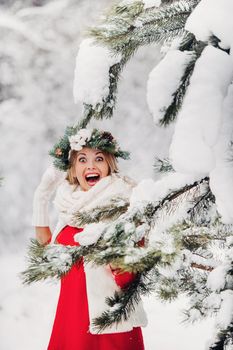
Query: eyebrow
[[84, 154], [81, 154]]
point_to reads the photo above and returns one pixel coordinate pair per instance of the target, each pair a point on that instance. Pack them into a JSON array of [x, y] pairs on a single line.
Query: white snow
[[147, 3], [221, 177], [153, 191], [151, 3], [163, 81], [39, 116], [126, 2], [212, 17], [91, 79], [217, 278], [199, 121], [28, 312], [194, 315], [213, 301], [135, 255], [225, 314], [90, 234], [129, 227]]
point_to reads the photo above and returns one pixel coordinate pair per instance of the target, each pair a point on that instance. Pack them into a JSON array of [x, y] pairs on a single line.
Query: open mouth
[[92, 179]]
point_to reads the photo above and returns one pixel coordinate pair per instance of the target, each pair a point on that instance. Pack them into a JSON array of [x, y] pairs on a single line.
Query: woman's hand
[[48, 184], [40, 218], [43, 235]]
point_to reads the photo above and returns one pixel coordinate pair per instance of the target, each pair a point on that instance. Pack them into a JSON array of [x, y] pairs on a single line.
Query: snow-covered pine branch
[[187, 241], [198, 94], [96, 77], [127, 26], [193, 140]]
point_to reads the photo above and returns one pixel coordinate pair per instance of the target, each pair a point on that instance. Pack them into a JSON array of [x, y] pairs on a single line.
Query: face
[[90, 167]]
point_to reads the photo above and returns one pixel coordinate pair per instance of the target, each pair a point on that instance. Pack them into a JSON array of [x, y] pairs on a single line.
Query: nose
[[90, 164]]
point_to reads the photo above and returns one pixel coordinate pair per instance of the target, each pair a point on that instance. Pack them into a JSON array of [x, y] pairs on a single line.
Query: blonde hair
[[110, 159]]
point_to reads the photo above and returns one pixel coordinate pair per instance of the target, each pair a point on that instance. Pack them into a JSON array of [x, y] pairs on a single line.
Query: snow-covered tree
[[187, 215], [37, 59]]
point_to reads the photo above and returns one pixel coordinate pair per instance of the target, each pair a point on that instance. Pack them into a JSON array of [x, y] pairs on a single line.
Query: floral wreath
[[75, 139]]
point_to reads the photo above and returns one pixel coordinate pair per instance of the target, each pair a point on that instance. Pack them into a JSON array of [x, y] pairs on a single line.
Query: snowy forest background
[[38, 46]]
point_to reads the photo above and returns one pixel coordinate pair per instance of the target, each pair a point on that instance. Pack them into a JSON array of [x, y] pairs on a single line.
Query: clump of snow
[[151, 3], [129, 227], [152, 191], [212, 17], [217, 278], [91, 79], [225, 314], [194, 315], [134, 255], [221, 179], [164, 80], [229, 241], [170, 271], [59, 257], [147, 3], [212, 301], [126, 2], [198, 125], [140, 232], [90, 234]]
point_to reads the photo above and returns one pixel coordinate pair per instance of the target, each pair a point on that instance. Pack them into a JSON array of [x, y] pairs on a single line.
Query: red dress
[[71, 324]]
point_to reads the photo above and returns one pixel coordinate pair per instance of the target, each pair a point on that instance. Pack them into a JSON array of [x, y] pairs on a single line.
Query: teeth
[[91, 176]]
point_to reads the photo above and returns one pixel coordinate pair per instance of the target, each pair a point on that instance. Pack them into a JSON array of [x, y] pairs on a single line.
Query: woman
[[92, 180]]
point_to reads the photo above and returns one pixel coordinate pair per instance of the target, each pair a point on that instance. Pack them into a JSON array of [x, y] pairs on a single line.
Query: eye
[[99, 159], [82, 159]]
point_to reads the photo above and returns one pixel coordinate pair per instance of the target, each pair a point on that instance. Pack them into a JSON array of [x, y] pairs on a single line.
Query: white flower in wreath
[[80, 139]]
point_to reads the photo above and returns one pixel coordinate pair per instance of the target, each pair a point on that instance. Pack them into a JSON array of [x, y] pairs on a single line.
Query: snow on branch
[[149, 190], [164, 80], [212, 17], [198, 125], [91, 80], [127, 26], [221, 179]]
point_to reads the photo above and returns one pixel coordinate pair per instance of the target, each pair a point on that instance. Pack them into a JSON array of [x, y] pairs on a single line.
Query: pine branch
[[189, 43], [162, 165], [224, 338], [112, 211], [124, 29], [51, 261], [124, 302], [105, 108], [150, 210], [128, 27], [112, 247], [202, 267], [202, 205]]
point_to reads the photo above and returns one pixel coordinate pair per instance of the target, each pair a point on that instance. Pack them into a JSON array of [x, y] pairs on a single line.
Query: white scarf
[[70, 199]]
